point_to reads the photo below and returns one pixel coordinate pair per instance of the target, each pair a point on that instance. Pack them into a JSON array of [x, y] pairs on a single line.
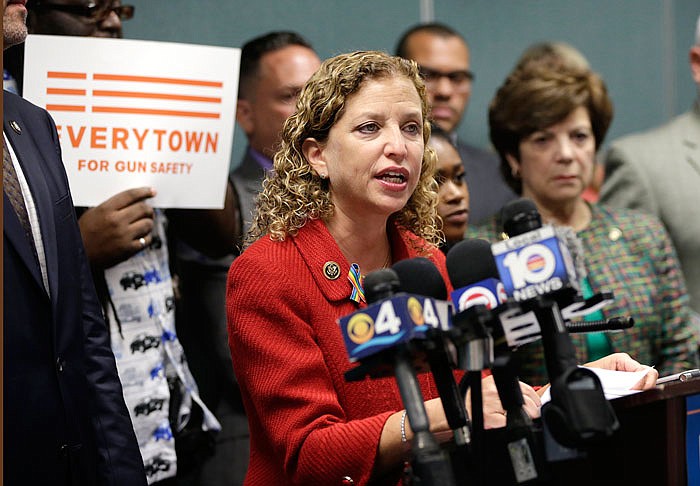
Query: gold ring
[[142, 240]]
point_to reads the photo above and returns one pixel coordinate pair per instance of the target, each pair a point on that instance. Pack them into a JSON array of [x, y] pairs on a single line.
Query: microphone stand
[[524, 449], [471, 330], [519, 441], [453, 403], [430, 463], [578, 413]]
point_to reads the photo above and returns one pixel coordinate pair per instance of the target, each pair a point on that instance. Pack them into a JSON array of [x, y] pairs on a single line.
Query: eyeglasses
[[458, 79], [92, 10]]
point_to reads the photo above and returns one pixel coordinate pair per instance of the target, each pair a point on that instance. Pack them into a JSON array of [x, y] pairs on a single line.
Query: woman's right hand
[[494, 413]]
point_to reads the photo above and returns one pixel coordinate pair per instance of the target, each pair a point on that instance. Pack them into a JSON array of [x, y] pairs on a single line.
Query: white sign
[[138, 113]]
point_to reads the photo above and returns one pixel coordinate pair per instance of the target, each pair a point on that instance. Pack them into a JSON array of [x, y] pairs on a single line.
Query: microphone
[[533, 262], [420, 275], [475, 276], [612, 324], [473, 271], [538, 271], [484, 288], [477, 289], [383, 334], [539, 260], [470, 265]]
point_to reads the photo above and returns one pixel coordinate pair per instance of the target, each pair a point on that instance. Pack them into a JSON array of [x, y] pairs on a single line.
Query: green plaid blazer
[[630, 254]]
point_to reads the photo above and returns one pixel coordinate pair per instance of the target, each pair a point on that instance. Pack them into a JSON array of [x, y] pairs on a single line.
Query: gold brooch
[[331, 270]]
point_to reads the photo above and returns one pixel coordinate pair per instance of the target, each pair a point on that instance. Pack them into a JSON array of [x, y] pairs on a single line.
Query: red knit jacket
[[307, 424]]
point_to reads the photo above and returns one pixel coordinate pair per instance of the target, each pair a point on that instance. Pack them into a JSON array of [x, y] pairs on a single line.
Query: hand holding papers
[[615, 383]]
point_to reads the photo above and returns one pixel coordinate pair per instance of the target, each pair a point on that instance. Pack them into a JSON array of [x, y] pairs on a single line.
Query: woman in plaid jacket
[[547, 122]]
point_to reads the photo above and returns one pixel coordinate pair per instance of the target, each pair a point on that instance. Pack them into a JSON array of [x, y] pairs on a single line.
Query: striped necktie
[[10, 185]]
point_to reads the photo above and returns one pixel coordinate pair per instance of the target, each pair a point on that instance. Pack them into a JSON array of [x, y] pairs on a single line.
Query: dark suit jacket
[[247, 179], [65, 421], [488, 192]]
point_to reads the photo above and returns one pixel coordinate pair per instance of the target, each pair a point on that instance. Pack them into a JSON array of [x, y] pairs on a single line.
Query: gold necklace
[[387, 262]]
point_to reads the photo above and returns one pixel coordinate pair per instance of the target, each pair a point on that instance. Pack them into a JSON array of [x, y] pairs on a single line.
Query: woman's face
[[374, 152], [453, 205], [556, 164]]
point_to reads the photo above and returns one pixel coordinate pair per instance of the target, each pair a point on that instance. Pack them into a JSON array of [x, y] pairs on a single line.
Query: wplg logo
[[531, 264]]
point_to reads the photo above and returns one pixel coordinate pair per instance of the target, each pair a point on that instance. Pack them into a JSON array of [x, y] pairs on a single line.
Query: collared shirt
[[31, 213], [453, 138], [9, 83], [263, 161]]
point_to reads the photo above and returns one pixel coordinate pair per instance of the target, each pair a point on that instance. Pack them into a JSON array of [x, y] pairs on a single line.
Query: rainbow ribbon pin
[[355, 277]]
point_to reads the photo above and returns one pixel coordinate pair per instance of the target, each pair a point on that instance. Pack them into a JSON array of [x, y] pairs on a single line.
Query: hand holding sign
[[112, 231]]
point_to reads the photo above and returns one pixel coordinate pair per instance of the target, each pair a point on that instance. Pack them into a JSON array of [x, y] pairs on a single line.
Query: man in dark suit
[[443, 56], [274, 69], [65, 422]]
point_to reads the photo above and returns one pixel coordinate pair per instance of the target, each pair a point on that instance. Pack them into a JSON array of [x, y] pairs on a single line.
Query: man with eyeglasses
[[65, 421], [443, 57], [94, 18], [86, 18]]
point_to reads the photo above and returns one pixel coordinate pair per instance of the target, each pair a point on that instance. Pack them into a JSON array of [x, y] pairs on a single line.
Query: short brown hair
[[433, 28], [253, 52], [538, 95]]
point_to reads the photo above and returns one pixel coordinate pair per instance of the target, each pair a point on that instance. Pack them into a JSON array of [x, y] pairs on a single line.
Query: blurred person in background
[[453, 194], [561, 53]]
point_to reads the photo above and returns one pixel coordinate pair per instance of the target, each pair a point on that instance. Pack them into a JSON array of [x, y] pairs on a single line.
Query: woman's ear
[[313, 152], [514, 165]]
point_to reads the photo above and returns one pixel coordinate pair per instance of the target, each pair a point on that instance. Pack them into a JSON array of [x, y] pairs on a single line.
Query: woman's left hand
[[623, 362]]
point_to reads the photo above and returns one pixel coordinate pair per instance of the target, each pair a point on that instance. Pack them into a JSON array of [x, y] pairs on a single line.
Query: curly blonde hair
[[293, 193]]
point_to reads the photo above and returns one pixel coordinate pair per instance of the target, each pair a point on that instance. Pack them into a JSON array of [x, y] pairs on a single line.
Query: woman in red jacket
[[352, 191]]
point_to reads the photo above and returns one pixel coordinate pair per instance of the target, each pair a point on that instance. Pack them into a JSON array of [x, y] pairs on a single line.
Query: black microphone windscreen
[[420, 276], [471, 261], [520, 216], [380, 284]]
